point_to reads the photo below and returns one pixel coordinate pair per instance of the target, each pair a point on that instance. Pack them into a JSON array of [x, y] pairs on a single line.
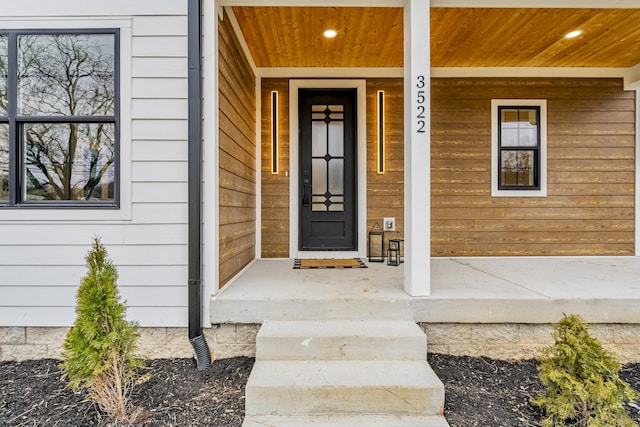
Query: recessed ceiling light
[[330, 34], [573, 34]]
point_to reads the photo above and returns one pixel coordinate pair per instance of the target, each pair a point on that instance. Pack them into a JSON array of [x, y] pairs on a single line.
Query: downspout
[[199, 343]]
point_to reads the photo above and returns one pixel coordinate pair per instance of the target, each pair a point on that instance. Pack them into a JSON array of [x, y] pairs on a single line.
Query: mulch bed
[[177, 394], [485, 392], [479, 392]]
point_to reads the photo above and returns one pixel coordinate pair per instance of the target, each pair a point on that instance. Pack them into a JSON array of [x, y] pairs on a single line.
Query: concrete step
[[341, 340], [343, 387], [361, 420]]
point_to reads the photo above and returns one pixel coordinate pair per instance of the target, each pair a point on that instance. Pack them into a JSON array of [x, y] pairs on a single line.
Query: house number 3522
[[420, 104]]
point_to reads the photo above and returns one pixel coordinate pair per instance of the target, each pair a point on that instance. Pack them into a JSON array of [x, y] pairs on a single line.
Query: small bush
[[99, 349], [582, 381]]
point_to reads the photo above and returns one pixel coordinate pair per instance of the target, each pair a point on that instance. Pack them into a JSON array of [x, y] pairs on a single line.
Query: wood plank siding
[[590, 206], [237, 155], [275, 186], [589, 209], [385, 191]]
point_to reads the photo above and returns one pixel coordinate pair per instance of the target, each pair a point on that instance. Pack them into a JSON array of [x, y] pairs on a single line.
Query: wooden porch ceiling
[[460, 37]]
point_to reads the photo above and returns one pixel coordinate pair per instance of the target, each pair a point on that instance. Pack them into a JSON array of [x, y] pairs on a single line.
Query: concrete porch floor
[[463, 290]]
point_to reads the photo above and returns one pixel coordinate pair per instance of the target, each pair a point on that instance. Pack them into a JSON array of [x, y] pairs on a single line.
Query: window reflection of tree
[[517, 168], [4, 161], [3, 75], [67, 76], [4, 127]]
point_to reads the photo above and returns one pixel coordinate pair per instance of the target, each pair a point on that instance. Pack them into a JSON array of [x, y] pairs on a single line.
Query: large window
[[59, 118], [519, 142]]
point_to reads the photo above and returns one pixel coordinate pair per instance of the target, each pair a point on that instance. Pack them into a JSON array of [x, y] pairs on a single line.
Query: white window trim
[[495, 159], [42, 214]]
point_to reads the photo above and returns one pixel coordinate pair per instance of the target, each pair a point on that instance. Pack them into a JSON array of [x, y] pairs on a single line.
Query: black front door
[[327, 170]]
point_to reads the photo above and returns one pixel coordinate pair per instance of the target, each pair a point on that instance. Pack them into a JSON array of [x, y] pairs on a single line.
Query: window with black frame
[[519, 147], [59, 118]]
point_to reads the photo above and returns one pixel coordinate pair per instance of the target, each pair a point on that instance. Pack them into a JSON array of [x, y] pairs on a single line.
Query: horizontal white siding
[[159, 213], [148, 88], [160, 26], [38, 234], [159, 67], [63, 316], [68, 254], [149, 151], [62, 296], [159, 171], [160, 192], [92, 9], [62, 275], [158, 129], [155, 109], [153, 46], [42, 253]]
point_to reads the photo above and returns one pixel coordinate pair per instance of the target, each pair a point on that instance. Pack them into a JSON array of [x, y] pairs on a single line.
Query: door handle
[[306, 199]]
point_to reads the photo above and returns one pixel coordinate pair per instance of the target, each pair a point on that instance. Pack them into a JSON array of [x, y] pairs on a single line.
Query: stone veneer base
[[511, 341]]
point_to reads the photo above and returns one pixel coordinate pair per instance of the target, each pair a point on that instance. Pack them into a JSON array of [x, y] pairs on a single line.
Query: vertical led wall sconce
[[380, 131], [274, 132]]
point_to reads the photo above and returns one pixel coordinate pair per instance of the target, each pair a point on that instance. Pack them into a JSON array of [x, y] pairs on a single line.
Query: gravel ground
[[479, 392]]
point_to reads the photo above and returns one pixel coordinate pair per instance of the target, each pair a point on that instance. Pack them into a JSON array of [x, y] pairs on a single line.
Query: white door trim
[[361, 123]]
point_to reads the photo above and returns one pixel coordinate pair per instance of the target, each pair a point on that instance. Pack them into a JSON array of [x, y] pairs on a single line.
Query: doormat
[[329, 263]]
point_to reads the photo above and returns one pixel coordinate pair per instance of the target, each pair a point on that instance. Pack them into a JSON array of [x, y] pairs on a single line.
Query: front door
[[327, 184]]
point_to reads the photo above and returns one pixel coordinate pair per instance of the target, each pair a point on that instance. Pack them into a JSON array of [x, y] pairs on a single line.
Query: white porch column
[[417, 152]]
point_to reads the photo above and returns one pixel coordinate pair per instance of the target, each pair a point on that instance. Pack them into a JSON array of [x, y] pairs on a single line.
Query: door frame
[[361, 165], [336, 228]]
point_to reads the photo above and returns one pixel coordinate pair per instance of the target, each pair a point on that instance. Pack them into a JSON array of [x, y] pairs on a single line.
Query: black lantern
[[376, 244], [395, 253]]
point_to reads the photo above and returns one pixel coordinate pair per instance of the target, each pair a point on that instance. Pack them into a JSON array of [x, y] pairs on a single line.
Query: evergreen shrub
[[583, 386], [99, 350]]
